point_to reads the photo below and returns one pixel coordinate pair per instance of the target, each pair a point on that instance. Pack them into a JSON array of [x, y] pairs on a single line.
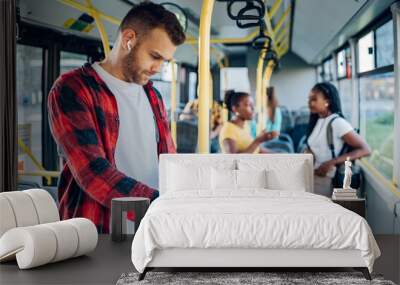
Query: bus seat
[[287, 120], [186, 140], [279, 146]]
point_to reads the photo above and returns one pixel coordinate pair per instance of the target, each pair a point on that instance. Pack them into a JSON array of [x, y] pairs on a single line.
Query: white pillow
[[279, 180], [251, 178], [223, 179], [183, 177], [281, 174]]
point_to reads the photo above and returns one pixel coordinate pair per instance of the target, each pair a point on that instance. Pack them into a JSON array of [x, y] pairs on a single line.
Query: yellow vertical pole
[[100, 27], [204, 76], [173, 101], [259, 100]]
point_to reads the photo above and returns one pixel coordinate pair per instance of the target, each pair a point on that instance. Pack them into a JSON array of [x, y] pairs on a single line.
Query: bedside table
[[355, 205], [119, 207]]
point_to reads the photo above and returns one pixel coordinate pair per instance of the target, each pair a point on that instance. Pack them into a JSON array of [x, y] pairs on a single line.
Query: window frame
[[376, 71], [343, 48], [53, 42], [330, 61], [372, 28]]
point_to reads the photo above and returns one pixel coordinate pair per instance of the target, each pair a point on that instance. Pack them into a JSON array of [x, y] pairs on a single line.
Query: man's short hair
[[147, 16]]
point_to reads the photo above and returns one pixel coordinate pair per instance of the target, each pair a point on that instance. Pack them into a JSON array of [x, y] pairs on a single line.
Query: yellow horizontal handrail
[[284, 33], [282, 48], [274, 8], [82, 8], [284, 51], [115, 21], [244, 39], [391, 185], [378, 155], [36, 162], [282, 19], [43, 173]]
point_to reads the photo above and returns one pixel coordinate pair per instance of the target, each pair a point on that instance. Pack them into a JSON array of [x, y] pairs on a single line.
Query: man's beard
[[131, 70]]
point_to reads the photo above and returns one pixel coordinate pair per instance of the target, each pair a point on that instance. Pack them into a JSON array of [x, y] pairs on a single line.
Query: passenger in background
[[216, 126], [234, 136], [274, 115], [190, 113], [274, 119], [326, 113]]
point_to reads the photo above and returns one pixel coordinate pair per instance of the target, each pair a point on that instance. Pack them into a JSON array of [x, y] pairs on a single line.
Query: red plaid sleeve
[[74, 124]]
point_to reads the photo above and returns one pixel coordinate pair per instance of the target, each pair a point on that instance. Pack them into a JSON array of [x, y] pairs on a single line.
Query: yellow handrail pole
[[274, 8], [204, 76], [282, 19], [82, 8], [259, 99], [226, 61], [282, 50], [283, 33], [283, 44], [218, 55], [100, 27], [43, 173], [390, 185], [26, 149], [270, 29], [173, 102]]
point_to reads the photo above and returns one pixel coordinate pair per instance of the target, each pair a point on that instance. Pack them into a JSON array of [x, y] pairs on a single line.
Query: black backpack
[[337, 180]]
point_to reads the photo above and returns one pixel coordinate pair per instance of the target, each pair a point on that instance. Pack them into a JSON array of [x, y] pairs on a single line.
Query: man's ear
[[128, 38]]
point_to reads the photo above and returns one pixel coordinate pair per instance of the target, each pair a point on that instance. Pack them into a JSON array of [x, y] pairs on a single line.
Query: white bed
[[208, 222]]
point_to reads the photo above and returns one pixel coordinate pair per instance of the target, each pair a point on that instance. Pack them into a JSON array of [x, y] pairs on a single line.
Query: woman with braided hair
[[234, 136]]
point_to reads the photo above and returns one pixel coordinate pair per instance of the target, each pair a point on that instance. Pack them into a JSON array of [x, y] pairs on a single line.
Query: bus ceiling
[[313, 37]]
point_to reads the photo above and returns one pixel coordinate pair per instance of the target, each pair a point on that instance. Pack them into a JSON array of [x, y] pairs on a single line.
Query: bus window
[[377, 119], [328, 70], [70, 60], [346, 97], [229, 80], [29, 95], [366, 53], [192, 85], [384, 45]]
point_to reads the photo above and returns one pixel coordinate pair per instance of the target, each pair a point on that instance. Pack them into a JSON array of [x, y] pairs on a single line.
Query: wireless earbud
[[129, 45]]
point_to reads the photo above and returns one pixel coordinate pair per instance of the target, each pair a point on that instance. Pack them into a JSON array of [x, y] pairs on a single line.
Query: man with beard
[[110, 123]]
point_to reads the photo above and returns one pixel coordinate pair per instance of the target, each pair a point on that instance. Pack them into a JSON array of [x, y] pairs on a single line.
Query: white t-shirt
[[318, 141], [136, 149]]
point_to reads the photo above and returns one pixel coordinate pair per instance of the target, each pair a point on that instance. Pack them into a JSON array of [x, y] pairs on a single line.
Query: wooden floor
[[106, 264], [389, 262]]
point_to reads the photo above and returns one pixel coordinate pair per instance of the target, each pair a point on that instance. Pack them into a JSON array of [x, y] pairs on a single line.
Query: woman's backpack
[[337, 180]]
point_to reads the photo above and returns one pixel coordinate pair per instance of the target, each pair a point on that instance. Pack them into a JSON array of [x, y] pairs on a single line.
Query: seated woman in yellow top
[[234, 137]]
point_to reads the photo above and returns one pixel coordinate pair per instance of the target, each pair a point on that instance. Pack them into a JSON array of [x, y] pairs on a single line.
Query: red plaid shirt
[[84, 121]]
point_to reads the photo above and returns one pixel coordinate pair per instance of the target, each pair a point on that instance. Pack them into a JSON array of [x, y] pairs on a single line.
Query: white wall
[[293, 81]]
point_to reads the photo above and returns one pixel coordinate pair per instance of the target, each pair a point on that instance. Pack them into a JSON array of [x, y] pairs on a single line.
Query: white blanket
[[250, 219]]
